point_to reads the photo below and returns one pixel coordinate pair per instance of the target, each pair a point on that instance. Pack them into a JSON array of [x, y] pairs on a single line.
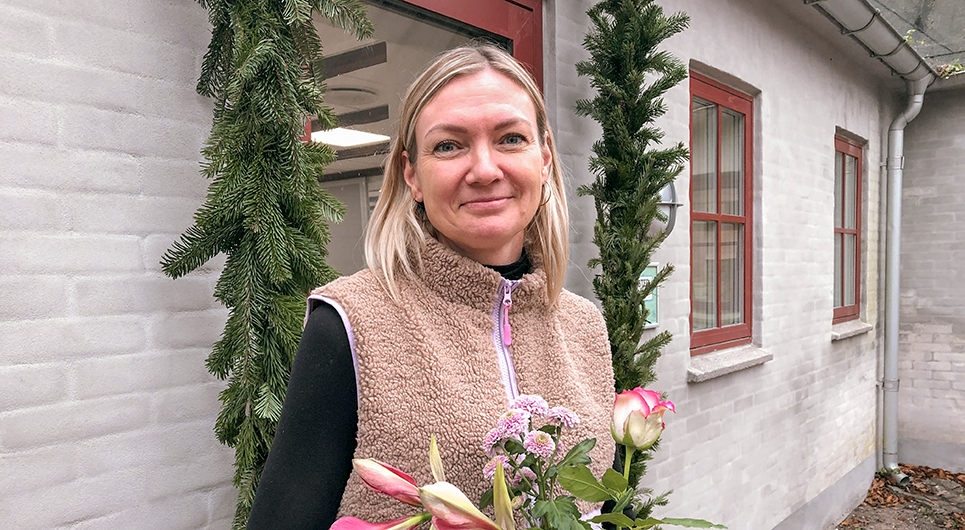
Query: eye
[[445, 147], [514, 139]]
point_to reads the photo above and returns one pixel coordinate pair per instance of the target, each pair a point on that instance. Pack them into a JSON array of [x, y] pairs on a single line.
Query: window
[[721, 162], [847, 229]]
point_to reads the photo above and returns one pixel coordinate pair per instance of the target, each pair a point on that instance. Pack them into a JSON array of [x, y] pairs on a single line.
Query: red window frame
[[847, 147], [707, 340]]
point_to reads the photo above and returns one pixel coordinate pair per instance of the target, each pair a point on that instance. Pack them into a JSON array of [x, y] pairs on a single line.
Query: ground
[[935, 500]]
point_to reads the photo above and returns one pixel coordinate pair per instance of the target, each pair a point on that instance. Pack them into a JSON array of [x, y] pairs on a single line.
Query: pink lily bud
[[638, 417], [402, 523], [383, 478], [452, 510]]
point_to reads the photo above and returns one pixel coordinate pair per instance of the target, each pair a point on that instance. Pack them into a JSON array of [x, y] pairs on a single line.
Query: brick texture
[[932, 338], [749, 448], [105, 406], [106, 409]]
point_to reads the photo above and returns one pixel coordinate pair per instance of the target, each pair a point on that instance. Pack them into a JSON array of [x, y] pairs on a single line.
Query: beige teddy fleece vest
[[428, 365]]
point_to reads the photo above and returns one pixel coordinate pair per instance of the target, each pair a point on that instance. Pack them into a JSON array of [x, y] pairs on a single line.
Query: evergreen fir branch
[[264, 208], [630, 75], [349, 15]]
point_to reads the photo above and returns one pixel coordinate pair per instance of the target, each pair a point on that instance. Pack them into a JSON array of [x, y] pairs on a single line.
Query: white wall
[[931, 427], [750, 448], [106, 409]]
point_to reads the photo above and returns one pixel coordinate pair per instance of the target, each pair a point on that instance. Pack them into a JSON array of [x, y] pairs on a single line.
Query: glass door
[[366, 80]]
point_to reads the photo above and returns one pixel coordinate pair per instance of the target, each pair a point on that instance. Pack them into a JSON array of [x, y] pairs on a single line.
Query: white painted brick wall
[[750, 448], [932, 338], [106, 409]]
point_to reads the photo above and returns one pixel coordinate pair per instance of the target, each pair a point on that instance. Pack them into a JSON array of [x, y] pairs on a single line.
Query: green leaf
[[649, 522], [559, 513], [578, 454], [486, 500], [690, 523], [617, 519], [614, 480], [513, 447], [579, 481]]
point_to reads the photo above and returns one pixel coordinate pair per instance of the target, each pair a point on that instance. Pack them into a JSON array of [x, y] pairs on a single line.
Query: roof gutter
[[860, 20]]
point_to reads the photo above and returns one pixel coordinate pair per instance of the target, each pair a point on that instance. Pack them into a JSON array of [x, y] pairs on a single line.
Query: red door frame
[[518, 20]]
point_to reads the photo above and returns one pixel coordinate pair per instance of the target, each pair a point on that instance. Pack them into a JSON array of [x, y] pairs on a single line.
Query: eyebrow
[[449, 127]]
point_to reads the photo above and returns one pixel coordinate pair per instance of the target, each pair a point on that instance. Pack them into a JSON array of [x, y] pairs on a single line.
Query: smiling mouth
[[490, 202]]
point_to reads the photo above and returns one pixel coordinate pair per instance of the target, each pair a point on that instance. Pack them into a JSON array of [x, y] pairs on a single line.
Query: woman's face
[[480, 166]]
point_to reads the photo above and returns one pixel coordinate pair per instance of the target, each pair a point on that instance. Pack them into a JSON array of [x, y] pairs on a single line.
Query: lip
[[486, 202]]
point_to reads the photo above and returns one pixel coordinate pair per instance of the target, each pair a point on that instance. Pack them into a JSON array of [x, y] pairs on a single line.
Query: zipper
[[507, 303], [503, 336]]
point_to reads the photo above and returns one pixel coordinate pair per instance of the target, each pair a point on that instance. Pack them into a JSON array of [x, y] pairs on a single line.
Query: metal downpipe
[[896, 165]]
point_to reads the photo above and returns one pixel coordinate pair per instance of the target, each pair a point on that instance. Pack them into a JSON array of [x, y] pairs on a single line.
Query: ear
[[411, 180], [547, 158]]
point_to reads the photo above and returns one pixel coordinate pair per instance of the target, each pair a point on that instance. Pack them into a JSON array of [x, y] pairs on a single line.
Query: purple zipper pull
[[507, 303]]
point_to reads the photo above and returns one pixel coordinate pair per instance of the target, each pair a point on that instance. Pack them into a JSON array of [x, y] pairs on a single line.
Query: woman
[[461, 308]]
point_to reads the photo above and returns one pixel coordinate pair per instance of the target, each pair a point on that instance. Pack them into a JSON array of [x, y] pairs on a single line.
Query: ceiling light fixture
[[342, 137]]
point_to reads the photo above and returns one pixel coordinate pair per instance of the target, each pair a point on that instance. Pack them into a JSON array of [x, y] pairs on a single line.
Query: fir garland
[[630, 77], [264, 208]]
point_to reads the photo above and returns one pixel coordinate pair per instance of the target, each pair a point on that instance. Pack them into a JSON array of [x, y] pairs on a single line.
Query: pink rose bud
[[638, 417]]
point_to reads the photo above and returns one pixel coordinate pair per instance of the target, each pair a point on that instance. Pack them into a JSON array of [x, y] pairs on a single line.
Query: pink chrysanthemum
[[491, 441], [490, 470], [531, 403], [539, 443], [514, 422], [565, 416]]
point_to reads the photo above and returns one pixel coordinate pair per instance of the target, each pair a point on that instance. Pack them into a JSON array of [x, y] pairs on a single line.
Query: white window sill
[[708, 366], [850, 328]]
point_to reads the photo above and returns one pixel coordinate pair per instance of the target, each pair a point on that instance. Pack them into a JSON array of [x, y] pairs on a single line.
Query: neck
[[492, 257]]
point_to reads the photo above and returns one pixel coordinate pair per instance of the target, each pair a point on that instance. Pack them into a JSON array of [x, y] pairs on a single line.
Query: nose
[[485, 167]]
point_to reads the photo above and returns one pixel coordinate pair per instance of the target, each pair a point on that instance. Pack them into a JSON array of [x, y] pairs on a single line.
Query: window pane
[[704, 294], [366, 94], [703, 151], [731, 273], [837, 270], [849, 248], [850, 191], [838, 187], [731, 162]]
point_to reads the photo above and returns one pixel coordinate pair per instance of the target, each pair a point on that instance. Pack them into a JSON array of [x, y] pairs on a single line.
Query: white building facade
[[106, 410]]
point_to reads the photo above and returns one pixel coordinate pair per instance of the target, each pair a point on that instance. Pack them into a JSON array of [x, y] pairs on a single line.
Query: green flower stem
[[626, 462]]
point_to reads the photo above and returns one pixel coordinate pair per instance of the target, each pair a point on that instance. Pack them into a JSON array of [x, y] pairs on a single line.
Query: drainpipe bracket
[[889, 54], [890, 385], [874, 16]]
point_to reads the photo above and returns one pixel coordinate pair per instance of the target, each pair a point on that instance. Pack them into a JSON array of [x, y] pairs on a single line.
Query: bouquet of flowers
[[528, 471]]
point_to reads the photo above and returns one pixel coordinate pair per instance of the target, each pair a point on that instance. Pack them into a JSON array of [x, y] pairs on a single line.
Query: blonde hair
[[394, 229]]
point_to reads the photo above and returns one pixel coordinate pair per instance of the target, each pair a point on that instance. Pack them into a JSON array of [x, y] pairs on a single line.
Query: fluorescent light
[[340, 137]]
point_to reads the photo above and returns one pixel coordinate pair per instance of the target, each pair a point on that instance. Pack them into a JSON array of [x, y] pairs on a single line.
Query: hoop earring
[[419, 209], [546, 192]]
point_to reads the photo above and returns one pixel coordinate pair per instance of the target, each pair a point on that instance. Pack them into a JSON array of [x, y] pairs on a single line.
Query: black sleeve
[[311, 456]]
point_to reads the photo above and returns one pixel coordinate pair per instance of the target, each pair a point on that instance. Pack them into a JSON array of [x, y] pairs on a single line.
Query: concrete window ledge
[[849, 329], [710, 365]]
